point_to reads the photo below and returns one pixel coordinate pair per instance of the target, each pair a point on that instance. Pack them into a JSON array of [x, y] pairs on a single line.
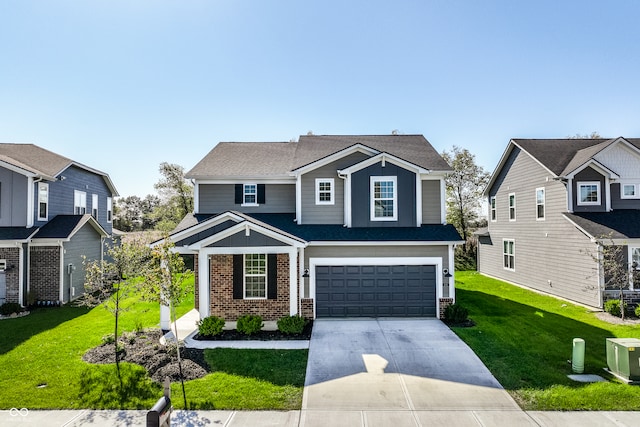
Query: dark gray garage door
[[376, 291]]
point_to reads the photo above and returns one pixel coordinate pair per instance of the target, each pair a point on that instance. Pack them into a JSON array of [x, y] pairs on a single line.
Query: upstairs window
[[539, 203], [509, 254], [94, 206], [629, 191], [589, 193], [43, 201], [384, 204], [109, 209], [79, 202], [250, 194], [512, 207], [324, 191], [255, 276], [494, 213]]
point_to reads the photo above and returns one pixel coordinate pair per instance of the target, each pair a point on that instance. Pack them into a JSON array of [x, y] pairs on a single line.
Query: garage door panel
[[376, 291]]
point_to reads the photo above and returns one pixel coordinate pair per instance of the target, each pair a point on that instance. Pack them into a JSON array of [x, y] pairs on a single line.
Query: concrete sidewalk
[[306, 418]]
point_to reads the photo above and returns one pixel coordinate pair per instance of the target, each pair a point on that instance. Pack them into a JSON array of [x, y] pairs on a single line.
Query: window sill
[[385, 219], [250, 204], [325, 203], [255, 298]]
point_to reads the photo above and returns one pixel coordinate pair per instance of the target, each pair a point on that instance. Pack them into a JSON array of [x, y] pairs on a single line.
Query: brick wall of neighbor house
[[196, 291], [12, 275], [222, 302], [444, 303], [44, 262], [306, 308]]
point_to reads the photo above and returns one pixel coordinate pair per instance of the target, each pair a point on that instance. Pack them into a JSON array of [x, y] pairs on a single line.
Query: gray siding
[[61, 195], [13, 199], [361, 196], [85, 242], [241, 240], [618, 203], [218, 198], [550, 254], [589, 174], [431, 202], [326, 214], [372, 252]]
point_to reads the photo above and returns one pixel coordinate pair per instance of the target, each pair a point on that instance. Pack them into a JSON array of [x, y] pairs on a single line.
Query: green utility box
[[623, 357]]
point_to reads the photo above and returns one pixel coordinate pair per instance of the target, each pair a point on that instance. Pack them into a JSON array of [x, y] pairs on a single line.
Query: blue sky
[[124, 85]]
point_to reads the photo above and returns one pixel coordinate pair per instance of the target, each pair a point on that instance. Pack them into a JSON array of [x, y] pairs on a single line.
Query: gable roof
[[278, 159], [65, 226], [46, 164], [617, 224], [559, 156]]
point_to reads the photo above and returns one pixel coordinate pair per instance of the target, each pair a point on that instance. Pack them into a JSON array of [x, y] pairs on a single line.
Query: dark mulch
[[466, 324], [144, 348], [234, 335]]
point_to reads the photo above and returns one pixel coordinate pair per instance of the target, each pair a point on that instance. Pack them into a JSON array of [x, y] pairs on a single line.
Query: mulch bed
[[160, 361], [234, 335]]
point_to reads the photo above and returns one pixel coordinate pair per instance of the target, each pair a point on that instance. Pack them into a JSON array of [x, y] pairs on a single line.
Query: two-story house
[[53, 211], [552, 204], [325, 226]]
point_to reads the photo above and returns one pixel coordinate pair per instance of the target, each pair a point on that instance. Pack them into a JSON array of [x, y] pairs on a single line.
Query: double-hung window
[[540, 203], [255, 276], [94, 206], [384, 198], [634, 255], [109, 209], [512, 207], [509, 254], [250, 194], [43, 201], [492, 207], [79, 202], [629, 191], [324, 191], [589, 193]]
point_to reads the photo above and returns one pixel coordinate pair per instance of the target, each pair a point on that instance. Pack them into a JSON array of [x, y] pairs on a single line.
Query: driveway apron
[[396, 365]]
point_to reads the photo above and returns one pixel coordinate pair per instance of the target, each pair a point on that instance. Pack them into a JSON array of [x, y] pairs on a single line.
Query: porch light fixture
[[306, 273]]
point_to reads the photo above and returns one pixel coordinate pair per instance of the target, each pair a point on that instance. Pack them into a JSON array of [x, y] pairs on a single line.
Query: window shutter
[[239, 191], [261, 195], [238, 276], [272, 279]]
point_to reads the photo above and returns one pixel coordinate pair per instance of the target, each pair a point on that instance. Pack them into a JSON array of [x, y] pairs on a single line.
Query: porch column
[[293, 281], [165, 318], [452, 271], [203, 284]]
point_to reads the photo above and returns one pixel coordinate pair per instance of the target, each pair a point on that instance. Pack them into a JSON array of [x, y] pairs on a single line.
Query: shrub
[[249, 324], [456, 314], [612, 307], [637, 311], [210, 326], [291, 324], [108, 339], [9, 308]]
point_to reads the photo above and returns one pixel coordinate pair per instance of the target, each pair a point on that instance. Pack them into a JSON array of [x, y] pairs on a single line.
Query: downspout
[[347, 198], [61, 272]]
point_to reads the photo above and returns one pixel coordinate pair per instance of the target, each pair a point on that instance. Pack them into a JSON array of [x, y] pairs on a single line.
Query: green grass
[[525, 339]]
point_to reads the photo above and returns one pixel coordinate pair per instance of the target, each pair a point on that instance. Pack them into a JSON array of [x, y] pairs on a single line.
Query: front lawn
[[525, 339], [42, 367]]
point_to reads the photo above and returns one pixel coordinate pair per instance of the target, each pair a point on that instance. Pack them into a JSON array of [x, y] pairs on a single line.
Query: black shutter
[[239, 193], [238, 276], [272, 276], [261, 196]]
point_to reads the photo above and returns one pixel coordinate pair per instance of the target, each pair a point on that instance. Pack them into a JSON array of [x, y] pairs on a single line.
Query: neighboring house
[[53, 211], [552, 202], [329, 226]]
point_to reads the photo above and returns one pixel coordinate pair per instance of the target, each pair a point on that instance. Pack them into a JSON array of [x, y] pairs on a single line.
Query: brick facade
[[306, 308], [444, 303], [44, 264], [221, 292], [12, 274]]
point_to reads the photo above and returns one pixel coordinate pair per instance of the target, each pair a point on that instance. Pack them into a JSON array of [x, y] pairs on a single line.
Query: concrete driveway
[[398, 372]]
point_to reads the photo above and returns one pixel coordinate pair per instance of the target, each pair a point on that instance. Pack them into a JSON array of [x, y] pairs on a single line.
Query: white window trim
[[79, 201], [372, 181], [46, 217], [493, 209], [331, 182], [512, 255], [630, 261], [581, 203], [245, 194], [512, 207], [265, 274], [94, 206], [109, 209], [635, 190], [543, 204]]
